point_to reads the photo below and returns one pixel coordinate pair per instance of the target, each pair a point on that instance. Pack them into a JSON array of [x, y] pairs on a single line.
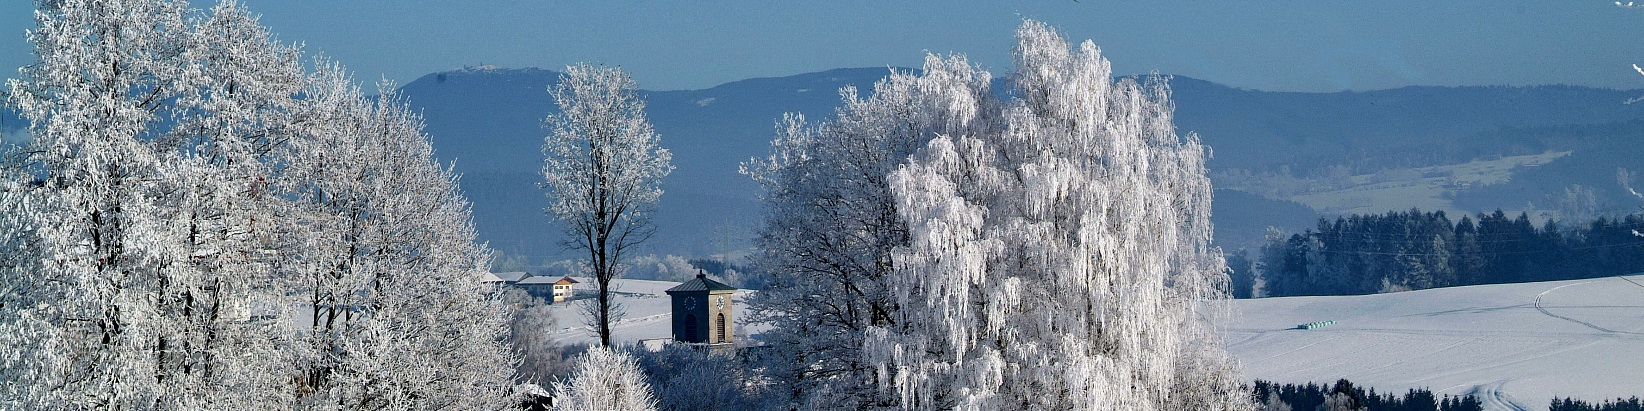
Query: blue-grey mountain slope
[[488, 121]]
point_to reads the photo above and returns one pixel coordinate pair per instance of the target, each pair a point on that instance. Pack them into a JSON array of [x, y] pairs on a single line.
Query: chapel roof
[[701, 283]]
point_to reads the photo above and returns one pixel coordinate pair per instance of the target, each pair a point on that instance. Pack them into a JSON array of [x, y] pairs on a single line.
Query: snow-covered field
[[1516, 346], [648, 312]]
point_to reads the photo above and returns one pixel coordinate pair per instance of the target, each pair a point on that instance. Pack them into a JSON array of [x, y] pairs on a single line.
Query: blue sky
[[1285, 45]]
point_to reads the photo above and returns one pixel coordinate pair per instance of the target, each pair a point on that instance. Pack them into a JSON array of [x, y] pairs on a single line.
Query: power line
[[1474, 254], [1394, 231]]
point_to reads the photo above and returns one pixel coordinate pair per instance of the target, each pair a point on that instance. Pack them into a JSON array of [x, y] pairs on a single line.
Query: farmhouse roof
[[701, 283], [565, 281], [511, 276], [536, 280]]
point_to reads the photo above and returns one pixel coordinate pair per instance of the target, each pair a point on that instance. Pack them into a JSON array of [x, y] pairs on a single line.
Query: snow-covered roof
[[536, 280], [510, 276], [701, 283], [565, 281]]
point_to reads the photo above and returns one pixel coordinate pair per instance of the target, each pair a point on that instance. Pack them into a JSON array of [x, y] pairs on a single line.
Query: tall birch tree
[[1063, 263], [603, 171]]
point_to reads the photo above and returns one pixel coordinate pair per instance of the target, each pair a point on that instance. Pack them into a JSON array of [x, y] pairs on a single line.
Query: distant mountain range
[[1259, 129], [488, 121]]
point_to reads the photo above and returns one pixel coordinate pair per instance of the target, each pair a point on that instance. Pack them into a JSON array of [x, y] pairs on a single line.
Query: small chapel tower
[[702, 311]]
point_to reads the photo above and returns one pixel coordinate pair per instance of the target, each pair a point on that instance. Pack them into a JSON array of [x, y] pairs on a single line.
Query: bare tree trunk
[[603, 170]]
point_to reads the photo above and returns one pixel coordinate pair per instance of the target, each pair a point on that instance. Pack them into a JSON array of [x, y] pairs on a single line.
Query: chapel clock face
[[690, 303], [721, 302]]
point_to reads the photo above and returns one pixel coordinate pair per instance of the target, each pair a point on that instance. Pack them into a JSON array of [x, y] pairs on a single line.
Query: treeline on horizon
[[1412, 250], [1571, 404], [1343, 395]]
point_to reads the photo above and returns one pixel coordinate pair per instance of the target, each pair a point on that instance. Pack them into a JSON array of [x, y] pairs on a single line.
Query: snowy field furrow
[[1516, 346]]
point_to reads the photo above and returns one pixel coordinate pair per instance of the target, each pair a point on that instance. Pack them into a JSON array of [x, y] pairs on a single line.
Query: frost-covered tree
[[1273, 403], [540, 357], [1063, 263], [387, 274], [150, 121], [158, 225], [689, 378], [603, 172], [85, 100], [604, 379], [832, 223], [219, 283], [24, 332]]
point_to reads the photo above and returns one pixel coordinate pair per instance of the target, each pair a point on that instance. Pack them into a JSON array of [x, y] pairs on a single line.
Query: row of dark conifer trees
[[1363, 254], [1344, 395], [1571, 404]]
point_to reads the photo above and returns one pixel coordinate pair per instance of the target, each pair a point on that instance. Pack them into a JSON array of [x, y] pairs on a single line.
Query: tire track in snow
[[1624, 277], [1531, 347], [1492, 395], [1494, 398], [1309, 345], [1588, 324]]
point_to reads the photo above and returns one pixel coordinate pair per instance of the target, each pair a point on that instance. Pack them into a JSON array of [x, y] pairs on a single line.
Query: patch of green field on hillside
[[1425, 188]]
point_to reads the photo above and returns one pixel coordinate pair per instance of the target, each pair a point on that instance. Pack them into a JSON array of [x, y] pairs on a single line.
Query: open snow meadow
[[648, 316], [1515, 346]]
